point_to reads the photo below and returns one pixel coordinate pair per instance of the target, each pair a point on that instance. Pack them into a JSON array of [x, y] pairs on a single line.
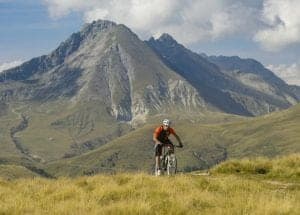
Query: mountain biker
[[161, 139]]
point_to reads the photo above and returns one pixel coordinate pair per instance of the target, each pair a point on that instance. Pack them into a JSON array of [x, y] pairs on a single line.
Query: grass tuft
[[287, 167]]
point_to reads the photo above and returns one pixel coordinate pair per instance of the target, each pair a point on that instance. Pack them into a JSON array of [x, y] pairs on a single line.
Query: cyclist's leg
[[158, 152]]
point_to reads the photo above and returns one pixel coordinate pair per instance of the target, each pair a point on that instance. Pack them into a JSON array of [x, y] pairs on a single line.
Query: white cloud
[[96, 14], [8, 65], [189, 21], [59, 8], [288, 73], [275, 24], [282, 20]]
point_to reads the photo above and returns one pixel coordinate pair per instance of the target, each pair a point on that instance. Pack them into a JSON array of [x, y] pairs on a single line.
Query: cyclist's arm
[[172, 131], [178, 139]]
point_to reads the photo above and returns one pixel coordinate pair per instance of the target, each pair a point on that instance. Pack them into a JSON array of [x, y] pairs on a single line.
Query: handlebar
[[175, 146]]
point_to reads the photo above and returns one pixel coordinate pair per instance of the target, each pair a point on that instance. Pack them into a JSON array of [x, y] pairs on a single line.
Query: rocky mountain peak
[[57, 57], [89, 30], [97, 26], [167, 39]]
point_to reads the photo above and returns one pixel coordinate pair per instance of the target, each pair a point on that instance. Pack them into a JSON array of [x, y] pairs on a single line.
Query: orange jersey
[[162, 134]]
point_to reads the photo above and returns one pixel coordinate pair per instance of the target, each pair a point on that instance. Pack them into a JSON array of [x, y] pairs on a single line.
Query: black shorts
[[158, 148]]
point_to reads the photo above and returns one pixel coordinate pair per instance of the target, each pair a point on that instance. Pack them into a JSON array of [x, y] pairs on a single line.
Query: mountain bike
[[168, 161]]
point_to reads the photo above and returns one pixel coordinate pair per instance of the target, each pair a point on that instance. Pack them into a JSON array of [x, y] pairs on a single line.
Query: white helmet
[[166, 122]]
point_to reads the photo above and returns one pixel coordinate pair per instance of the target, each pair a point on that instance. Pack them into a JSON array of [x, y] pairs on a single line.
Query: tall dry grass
[[146, 194], [285, 167]]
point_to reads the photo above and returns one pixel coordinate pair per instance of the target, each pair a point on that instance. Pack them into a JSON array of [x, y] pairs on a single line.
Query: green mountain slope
[[205, 144]]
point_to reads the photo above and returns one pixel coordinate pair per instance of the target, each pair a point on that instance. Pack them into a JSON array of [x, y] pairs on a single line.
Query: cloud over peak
[[272, 23], [189, 21]]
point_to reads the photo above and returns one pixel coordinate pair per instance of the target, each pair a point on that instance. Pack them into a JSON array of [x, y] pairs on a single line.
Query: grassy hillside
[[273, 134], [141, 193], [107, 146], [56, 130], [206, 143], [134, 151]]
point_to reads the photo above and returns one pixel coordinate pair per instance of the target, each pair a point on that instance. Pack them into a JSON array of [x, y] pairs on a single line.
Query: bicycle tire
[[171, 162]]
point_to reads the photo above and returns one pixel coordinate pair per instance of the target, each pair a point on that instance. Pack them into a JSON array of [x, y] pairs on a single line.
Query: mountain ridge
[[229, 93]]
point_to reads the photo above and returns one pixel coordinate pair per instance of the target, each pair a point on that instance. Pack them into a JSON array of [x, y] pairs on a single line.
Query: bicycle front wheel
[[171, 162]]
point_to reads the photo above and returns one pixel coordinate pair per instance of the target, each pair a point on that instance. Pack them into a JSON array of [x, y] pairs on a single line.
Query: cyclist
[[161, 139]]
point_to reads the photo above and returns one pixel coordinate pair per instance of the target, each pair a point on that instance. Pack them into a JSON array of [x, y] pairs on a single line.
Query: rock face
[[233, 85], [107, 63]]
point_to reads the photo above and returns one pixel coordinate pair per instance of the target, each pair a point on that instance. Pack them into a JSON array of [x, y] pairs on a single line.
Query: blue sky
[[28, 31], [267, 30]]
